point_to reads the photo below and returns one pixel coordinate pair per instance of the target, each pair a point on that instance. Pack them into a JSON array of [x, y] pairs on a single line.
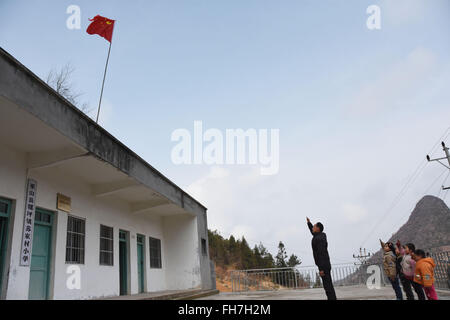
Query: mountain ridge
[[428, 227]]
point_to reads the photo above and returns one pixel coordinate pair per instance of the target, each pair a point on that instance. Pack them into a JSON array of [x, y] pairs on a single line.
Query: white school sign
[[27, 238]]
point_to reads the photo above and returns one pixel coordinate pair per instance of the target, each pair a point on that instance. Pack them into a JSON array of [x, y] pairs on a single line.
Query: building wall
[[181, 244], [178, 234], [12, 186], [205, 264]]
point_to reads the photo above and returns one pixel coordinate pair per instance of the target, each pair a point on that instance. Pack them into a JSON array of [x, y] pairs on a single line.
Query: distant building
[[73, 198]]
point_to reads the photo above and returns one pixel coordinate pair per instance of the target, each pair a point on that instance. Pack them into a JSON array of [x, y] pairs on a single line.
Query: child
[[408, 267], [389, 266], [400, 259], [424, 273]]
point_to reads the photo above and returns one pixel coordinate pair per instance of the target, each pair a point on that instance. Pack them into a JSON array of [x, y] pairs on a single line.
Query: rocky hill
[[428, 227]]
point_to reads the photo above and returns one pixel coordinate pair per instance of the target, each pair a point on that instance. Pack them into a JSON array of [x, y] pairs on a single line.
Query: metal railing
[[347, 274], [298, 278], [442, 269]]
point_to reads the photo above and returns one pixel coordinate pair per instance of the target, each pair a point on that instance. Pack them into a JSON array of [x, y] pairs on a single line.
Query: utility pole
[[447, 157], [362, 257]]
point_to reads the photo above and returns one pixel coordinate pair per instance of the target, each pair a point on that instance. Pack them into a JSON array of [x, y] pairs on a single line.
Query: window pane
[[155, 253], [75, 240], [3, 207], [106, 245]]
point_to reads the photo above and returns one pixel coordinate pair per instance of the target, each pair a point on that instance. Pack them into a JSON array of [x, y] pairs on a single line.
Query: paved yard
[[345, 293]]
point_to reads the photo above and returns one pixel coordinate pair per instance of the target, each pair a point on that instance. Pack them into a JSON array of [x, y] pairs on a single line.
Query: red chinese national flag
[[102, 26]]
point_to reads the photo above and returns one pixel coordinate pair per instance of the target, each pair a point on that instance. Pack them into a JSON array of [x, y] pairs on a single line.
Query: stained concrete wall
[[205, 265]]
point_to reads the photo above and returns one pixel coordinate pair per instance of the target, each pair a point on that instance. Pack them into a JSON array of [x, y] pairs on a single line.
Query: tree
[[280, 258], [217, 249], [258, 261], [60, 81], [232, 243], [247, 260], [266, 258], [293, 261]]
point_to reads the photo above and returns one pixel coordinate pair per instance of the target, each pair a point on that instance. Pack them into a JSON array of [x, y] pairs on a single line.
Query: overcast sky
[[357, 109]]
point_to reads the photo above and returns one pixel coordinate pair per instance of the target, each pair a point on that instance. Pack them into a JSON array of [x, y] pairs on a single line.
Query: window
[[204, 252], [42, 216], [155, 253], [3, 207], [76, 231], [140, 239], [106, 246]]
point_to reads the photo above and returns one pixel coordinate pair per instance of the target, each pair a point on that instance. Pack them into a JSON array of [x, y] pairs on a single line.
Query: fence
[[298, 278], [442, 269], [342, 274]]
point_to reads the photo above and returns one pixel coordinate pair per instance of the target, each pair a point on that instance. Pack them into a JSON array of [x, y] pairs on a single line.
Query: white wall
[[178, 236], [182, 252], [12, 186]]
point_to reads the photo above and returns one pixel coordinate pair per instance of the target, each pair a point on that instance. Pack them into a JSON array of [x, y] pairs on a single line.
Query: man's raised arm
[[310, 226]]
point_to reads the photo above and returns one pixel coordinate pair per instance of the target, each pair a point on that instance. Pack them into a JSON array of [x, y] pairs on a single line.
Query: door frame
[[126, 241], [5, 245], [144, 273], [50, 248]]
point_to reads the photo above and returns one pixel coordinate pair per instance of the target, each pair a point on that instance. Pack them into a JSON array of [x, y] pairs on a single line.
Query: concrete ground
[[166, 295], [343, 293]]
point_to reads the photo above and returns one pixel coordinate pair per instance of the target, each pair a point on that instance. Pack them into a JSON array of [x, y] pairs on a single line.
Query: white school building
[[75, 201]]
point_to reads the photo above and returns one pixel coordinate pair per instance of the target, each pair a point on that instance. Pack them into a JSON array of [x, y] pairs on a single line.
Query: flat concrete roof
[[23, 88]]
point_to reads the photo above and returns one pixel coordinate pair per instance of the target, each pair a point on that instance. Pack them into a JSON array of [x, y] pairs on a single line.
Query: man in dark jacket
[[321, 258]]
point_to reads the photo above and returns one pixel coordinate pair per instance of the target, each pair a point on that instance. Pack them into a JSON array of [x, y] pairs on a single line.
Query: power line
[[434, 182], [397, 199], [446, 157], [437, 179], [407, 185], [446, 193], [425, 193], [362, 257], [443, 182]]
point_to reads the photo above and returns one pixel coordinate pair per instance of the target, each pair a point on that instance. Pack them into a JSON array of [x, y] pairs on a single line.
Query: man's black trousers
[[328, 285]]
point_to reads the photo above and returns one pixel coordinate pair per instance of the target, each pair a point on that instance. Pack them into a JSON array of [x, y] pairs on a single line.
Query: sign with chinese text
[[30, 207], [63, 203]]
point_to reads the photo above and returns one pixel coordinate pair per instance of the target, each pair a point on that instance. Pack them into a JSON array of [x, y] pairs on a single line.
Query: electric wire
[[407, 185], [424, 194]]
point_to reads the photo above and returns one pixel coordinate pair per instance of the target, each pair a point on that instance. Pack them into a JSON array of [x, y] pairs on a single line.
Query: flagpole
[[103, 84]]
